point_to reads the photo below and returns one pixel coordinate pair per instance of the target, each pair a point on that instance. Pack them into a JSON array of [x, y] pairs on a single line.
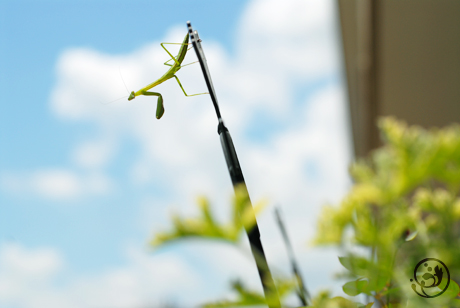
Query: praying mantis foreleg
[[160, 107]]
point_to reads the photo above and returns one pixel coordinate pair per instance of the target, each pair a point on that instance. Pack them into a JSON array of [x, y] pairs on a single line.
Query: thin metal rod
[[236, 175], [302, 291], [196, 42]]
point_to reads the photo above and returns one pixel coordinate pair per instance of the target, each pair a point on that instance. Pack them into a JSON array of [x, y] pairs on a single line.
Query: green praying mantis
[[168, 75]]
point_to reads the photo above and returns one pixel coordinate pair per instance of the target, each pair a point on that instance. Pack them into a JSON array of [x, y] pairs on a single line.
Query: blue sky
[[33, 35], [83, 185]]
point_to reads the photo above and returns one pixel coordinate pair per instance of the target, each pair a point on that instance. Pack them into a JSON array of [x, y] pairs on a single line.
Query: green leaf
[[206, 226], [356, 287], [245, 297], [390, 291], [359, 266], [249, 298], [447, 299], [452, 291], [339, 302], [324, 301]]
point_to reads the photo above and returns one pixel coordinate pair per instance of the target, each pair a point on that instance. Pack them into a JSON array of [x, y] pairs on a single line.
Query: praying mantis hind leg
[[160, 107], [184, 90]]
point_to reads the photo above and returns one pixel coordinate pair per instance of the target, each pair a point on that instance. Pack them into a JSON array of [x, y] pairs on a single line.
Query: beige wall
[[402, 58]]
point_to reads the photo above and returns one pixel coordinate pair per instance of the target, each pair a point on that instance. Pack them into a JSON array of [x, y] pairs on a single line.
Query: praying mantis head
[[131, 96]]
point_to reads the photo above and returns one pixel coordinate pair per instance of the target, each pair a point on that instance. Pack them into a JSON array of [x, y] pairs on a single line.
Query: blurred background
[[84, 184]]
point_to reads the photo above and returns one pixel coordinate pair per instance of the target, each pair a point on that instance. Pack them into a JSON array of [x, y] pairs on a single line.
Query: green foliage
[[403, 207], [206, 226], [324, 300], [245, 297], [356, 287], [250, 298]]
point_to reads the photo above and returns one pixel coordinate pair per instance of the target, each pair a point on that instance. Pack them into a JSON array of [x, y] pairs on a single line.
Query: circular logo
[[428, 275]]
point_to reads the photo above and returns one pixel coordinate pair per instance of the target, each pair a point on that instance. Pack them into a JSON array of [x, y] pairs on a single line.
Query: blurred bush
[[403, 208]]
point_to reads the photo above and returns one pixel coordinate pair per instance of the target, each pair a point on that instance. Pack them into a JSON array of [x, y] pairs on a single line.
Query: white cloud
[[93, 154], [145, 279], [38, 263], [56, 184], [282, 48], [25, 275], [290, 39], [36, 278]]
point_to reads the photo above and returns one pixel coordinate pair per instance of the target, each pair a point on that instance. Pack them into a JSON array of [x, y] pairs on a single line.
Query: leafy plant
[[403, 207], [206, 226]]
